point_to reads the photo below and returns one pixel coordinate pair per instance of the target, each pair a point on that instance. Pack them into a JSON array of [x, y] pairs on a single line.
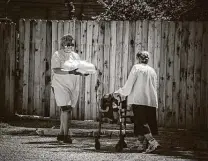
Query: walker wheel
[[97, 144]]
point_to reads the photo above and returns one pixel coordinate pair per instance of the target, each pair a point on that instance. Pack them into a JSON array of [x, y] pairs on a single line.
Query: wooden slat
[[21, 66], [138, 38], [54, 49], [112, 57], [88, 56], [183, 75], [26, 65], [169, 75], [197, 77], [66, 27], [7, 66], [82, 55], [125, 52], [94, 101], [176, 74], [37, 69], [2, 70], [204, 75], [157, 51], [42, 67], [131, 50], [162, 75], [12, 67], [151, 42], [106, 61], [145, 28], [48, 68], [119, 40], [100, 58], [31, 76], [72, 28], [78, 50], [190, 76]]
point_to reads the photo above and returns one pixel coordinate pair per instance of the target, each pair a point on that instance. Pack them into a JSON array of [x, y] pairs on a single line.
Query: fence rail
[[179, 54]]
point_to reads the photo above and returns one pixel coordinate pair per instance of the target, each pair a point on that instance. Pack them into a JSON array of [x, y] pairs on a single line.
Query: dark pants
[[145, 120]]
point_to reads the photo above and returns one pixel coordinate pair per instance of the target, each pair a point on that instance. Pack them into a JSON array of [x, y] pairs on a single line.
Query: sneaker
[[138, 145], [153, 145], [67, 139]]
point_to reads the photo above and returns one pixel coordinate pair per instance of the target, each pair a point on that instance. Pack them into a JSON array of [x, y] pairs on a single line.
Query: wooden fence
[[179, 54], [7, 67]]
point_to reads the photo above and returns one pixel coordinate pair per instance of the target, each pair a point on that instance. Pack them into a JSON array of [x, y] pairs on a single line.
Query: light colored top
[[141, 86], [68, 82]]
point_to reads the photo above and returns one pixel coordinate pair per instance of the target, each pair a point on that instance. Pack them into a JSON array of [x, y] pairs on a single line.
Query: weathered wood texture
[[178, 54], [7, 68]]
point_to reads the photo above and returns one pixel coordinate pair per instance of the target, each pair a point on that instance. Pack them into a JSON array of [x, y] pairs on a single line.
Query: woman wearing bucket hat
[[65, 84], [141, 89]]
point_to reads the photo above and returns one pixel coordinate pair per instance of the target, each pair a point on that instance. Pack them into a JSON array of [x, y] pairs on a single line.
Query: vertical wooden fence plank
[[12, 68], [162, 75], [1, 71], [78, 50], [7, 66], [190, 76], [145, 28], [54, 49], [125, 52], [176, 73], [113, 56], [33, 25], [21, 66], [88, 109], [106, 61], [197, 77], [37, 69], [138, 38], [169, 76], [42, 71], [204, 77], [119, 44], [151, 42], [157, 52], [83, 54], [101, 31], [94, 101], [48, 67], [183, 75], [131, 50], [26, 65], [66, 27]]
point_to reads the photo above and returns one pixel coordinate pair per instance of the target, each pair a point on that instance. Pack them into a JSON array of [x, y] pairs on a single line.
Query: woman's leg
[[152, 122], [66, 113]]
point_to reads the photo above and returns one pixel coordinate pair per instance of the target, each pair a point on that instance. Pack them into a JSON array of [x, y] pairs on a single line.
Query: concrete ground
[[35, 140], [22, 147]]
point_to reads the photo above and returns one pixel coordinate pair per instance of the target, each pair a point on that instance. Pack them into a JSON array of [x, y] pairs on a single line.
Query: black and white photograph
[[103, 80]]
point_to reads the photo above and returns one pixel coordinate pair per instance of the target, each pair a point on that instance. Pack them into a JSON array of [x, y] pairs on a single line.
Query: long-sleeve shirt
[[141, 86]]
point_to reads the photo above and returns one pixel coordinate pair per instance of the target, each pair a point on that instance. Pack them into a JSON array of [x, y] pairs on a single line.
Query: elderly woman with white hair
[[141, 89], [65, 84]]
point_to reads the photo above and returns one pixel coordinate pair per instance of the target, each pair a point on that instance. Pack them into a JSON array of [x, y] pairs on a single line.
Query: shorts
[[144, 115]]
